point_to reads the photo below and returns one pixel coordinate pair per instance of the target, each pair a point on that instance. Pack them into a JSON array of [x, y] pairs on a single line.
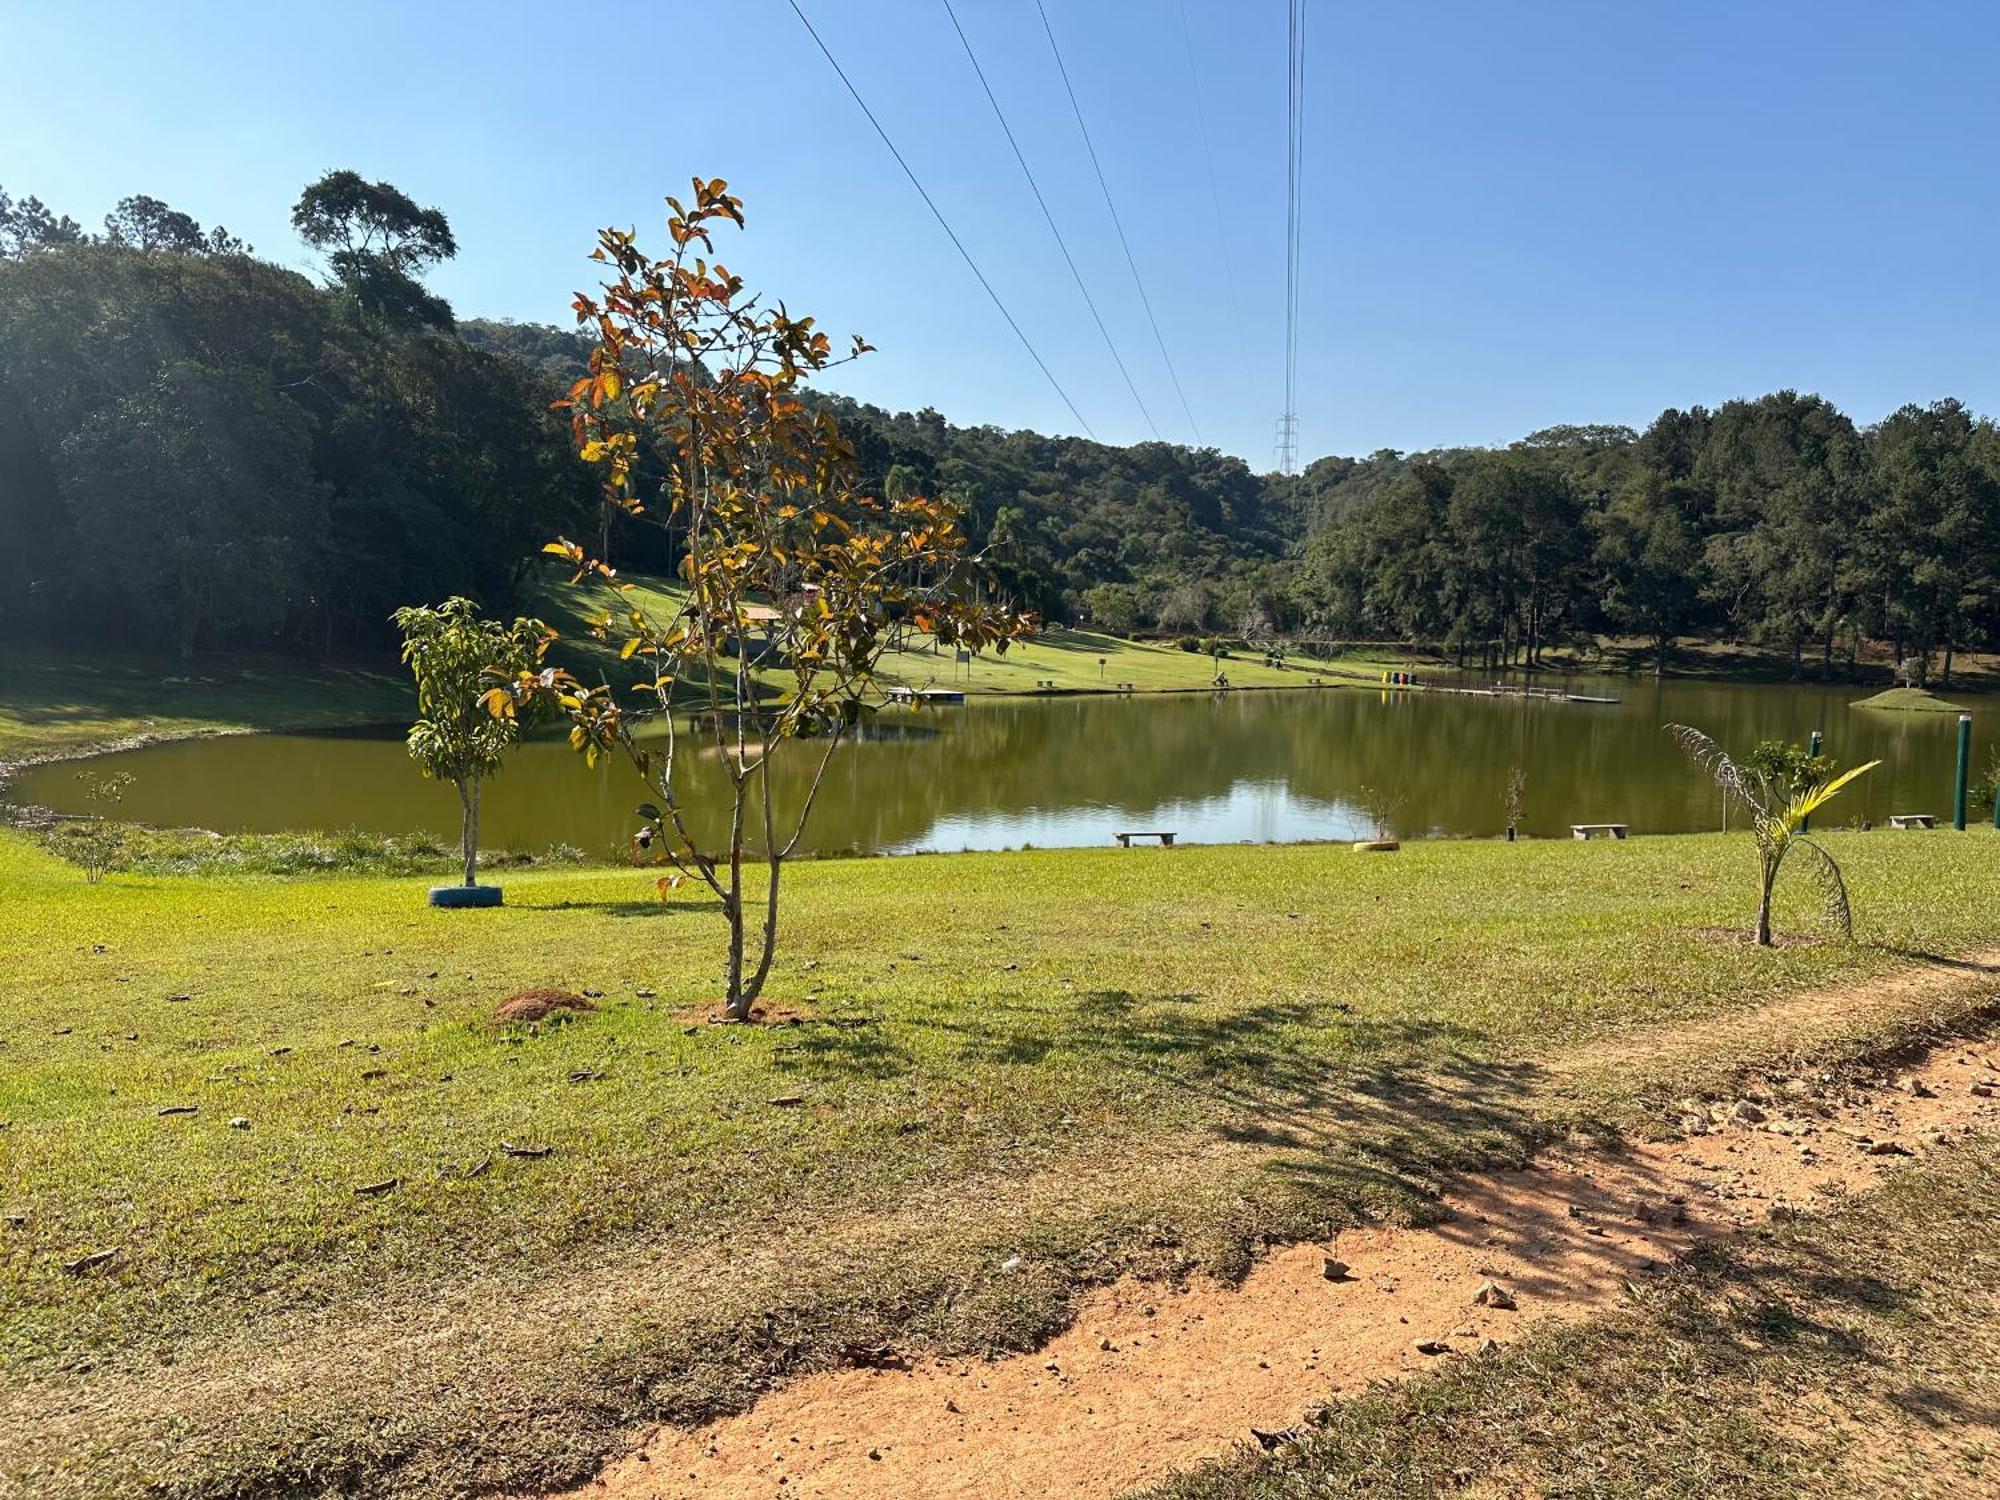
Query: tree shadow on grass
[[1942, 960], [623, 908], [1345, 1106]]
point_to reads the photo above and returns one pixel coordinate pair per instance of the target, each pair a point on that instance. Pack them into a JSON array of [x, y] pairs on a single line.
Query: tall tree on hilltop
[[377, 242]]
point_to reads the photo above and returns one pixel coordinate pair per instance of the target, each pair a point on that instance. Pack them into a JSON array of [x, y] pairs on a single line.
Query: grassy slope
[[1853, 1354], [65, 702], [1068, 658], [1286, 1030], [70, 702]]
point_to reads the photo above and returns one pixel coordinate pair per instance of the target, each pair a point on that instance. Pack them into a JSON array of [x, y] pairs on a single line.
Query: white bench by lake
[[1125, 839], [1597, 830], [1912, 820]]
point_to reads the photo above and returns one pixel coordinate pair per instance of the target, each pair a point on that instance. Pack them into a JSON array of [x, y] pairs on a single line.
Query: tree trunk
[[736, 1004], [1664, 644], [1948, 652], [468, 801], [755, 987], [1763, 933]]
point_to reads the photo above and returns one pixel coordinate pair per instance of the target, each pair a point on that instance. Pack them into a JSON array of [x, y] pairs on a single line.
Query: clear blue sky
[[1516, 213]]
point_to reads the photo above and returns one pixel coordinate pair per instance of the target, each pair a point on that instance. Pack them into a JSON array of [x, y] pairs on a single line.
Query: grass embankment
[[71, 702], [1072, 661], [1910, 700], [1849, 1354], [55, 703], [1078, 1061]]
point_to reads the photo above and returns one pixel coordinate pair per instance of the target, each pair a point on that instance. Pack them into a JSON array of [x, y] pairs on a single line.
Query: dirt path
[[1149, 1379]]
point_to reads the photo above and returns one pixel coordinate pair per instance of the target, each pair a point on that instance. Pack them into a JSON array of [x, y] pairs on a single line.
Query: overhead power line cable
[[943, 223], [1061, 244], [1223, 257], [1295, 100], [1117, 224]]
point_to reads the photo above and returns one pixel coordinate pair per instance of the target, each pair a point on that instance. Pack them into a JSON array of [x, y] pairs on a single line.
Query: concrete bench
[[1912, 820], [1125, 839], [1597, 830]]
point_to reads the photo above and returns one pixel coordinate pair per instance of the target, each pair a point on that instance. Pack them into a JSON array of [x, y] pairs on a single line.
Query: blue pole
[[1964, 766]]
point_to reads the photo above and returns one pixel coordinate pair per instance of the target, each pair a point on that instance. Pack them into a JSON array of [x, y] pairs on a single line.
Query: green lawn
[[1072, 660], [1089, 1060], [65, 702], [73, 701], [1910, 700]]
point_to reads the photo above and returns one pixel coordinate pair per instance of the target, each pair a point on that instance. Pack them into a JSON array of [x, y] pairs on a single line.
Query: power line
[[1295, 100], [943, 223], [1125, 245], [1214, 196], [1034, 187]]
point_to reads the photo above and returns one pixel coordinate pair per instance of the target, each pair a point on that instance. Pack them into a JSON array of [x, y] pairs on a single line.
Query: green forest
[[206, 452]]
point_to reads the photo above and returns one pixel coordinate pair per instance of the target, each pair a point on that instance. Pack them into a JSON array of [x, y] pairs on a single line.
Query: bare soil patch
[[539, 1005], [763, 1013], [1149, 1379]]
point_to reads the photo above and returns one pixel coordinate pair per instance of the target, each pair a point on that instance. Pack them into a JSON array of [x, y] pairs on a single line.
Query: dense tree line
[[1774, 521], [202, 450]]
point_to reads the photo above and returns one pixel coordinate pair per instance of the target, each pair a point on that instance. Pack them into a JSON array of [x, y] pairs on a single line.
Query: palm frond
[[1832, 885], [1813, 798], [1720, 766]]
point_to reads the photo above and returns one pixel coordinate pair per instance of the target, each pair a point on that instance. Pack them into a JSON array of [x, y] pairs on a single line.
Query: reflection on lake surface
[[1275, 766]]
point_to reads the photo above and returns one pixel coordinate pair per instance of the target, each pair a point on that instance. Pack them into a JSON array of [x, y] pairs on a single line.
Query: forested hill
[[202, 450], [1061, 516]]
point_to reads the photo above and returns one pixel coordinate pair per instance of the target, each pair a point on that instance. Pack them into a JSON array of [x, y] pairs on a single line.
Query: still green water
[[1266, 766]]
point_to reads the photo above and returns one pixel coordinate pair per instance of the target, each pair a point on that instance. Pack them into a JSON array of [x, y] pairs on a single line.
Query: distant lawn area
[[440, 1255], [55, 702], [58, 702], [1068, 660], [1910, 700]]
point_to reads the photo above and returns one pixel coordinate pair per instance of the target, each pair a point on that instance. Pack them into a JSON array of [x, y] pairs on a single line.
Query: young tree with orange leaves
[[795, 582]]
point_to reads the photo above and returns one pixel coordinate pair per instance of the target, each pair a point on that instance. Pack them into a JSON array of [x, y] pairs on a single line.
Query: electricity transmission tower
[[1288, 443]]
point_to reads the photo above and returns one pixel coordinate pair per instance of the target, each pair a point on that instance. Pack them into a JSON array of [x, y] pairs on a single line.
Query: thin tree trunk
[[736, 1006], [1764, 905], [468, 825]]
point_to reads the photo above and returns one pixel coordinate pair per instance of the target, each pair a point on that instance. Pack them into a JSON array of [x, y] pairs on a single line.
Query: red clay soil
[[1150, 1379], [539, 1005]]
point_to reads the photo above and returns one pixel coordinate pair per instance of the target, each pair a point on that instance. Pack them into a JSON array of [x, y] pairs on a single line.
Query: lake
[[1264, 766]]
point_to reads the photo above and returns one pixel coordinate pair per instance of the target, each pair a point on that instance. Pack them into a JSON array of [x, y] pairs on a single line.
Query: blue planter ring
[[457, 896]]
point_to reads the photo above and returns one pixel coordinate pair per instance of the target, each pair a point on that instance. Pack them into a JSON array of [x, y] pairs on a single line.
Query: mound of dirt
[[539, 1005]]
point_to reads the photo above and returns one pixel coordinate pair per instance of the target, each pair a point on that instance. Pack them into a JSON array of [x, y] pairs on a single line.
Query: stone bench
[[1912, 820], [1125, 839], [1597, 830]]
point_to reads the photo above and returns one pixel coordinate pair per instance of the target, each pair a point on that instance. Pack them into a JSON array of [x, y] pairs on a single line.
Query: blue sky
[[1515, 213]]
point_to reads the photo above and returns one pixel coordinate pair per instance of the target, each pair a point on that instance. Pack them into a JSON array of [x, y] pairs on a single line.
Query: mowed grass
[[1187, 1050], [69, 702], [1070, 661], [1851, 1353]]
